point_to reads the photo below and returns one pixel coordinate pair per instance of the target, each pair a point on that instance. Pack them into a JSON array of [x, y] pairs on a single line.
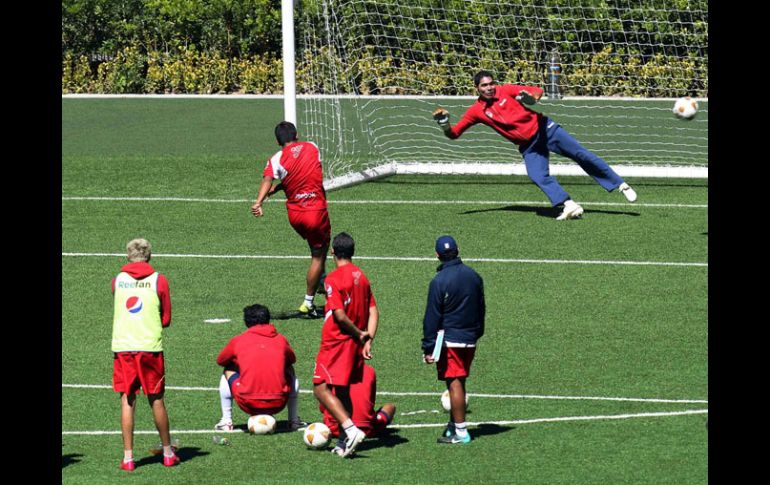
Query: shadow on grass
[[388, 438], [489, 430], [70, 459], [185, 453], [548, 212], [292, 314]]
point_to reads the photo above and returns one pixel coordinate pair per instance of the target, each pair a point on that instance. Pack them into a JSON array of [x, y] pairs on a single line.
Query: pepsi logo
[[134, 304]]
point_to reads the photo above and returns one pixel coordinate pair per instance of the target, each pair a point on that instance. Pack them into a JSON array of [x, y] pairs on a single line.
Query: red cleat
[[172, 460], [128, 466]]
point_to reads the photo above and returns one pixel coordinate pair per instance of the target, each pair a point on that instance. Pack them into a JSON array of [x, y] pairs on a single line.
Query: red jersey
[[347, 288], [262, 356], [503, 113], [298, 167]]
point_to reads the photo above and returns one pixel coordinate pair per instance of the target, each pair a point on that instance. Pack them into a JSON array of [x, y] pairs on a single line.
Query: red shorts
[[455, 362], [255, 406], [338, 363], [314, 226], [132, 370]]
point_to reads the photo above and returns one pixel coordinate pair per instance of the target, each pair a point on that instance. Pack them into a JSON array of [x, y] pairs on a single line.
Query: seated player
[[362, 395], [258, 371]]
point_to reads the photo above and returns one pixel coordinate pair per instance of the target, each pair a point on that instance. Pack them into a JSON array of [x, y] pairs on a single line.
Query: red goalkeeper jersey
[[503, 114], [298, 167]]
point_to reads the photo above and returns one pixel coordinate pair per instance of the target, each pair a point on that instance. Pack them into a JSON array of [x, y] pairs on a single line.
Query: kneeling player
[[258, 371]]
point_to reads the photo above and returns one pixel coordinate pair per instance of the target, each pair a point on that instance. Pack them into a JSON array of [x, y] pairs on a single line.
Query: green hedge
[[225, 46]]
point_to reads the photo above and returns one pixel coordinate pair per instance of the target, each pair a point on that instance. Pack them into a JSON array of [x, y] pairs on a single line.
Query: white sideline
[[415, 259], [437, 393], [377, 202], [433, 425]]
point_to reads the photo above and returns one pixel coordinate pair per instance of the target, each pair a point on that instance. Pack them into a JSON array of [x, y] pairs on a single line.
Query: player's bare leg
[[127, 408], [160, 415], [340, 407], [457, 433], [316, 269], [313, 279]]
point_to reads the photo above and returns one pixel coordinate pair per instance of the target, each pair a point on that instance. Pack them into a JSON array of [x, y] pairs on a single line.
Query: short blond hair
[[138, 250]]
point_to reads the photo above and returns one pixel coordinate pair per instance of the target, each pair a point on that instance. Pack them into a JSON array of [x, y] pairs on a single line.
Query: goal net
[[369, 74]]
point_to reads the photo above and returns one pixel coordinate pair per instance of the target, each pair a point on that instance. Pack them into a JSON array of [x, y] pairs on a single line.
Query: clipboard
[[439, 343]]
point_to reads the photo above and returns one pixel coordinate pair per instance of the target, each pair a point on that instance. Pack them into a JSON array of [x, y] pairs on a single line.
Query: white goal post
[[370, 72]]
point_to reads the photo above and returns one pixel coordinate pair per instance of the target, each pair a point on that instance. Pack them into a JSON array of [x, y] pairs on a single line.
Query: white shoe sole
[[575, 213]]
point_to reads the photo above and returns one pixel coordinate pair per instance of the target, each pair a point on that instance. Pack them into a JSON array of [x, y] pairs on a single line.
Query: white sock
[[225, 399], [461, 429], [128, 455], [309, 300], [167, 451], [293, 403]]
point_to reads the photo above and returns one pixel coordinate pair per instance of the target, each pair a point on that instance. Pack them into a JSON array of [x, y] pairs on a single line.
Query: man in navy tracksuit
[[456, 305]]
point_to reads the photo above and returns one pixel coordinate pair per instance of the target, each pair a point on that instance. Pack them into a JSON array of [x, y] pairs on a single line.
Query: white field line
[[403, 258], [433, 425], [434, 394], [380, 202]]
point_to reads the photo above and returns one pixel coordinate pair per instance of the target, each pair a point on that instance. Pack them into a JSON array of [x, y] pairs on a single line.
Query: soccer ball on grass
[[685, 108], [261, 424], [316, 435]]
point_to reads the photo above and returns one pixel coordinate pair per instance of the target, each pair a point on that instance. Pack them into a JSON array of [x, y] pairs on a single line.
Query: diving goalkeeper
[[504, 109]]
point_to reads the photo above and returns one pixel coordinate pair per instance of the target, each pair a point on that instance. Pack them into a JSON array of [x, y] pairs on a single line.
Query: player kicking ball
[[298, 167]]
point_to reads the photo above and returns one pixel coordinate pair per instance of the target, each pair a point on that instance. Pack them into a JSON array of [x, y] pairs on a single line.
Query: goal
[[370, 72]]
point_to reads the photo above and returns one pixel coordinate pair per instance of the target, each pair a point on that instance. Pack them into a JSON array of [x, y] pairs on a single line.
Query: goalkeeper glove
[[442, 117], [525, 98]]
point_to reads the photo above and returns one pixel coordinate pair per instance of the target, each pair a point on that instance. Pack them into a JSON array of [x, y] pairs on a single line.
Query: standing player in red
[[259, 371], [363, 395], [350, 324], [298, 166], [142, 311], [503, 109]]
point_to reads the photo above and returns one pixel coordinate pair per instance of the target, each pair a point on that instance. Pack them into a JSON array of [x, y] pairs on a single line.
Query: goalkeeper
[[504, 109]]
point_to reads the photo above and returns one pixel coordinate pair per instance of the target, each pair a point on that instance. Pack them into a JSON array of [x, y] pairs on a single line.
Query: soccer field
[[593, 368]]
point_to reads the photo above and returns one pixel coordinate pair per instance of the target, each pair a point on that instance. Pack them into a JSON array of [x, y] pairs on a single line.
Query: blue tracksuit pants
[[551, 137]]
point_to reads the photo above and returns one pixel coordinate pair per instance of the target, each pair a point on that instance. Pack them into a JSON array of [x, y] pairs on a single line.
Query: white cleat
[[572, 210], [352, 443], [224, 425], [626, 190]]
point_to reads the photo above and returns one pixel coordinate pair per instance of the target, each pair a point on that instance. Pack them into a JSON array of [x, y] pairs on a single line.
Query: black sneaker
[[449, 430]]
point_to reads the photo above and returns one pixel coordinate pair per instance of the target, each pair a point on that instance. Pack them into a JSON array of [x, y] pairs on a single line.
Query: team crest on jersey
[[134, 304], [356, 277], [296, 150], [488, 113]]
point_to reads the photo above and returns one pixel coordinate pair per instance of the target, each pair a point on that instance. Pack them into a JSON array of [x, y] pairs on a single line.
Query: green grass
[[593, 330]]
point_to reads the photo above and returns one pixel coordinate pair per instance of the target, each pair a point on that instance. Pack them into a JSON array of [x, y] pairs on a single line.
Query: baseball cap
[[445, 244]]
